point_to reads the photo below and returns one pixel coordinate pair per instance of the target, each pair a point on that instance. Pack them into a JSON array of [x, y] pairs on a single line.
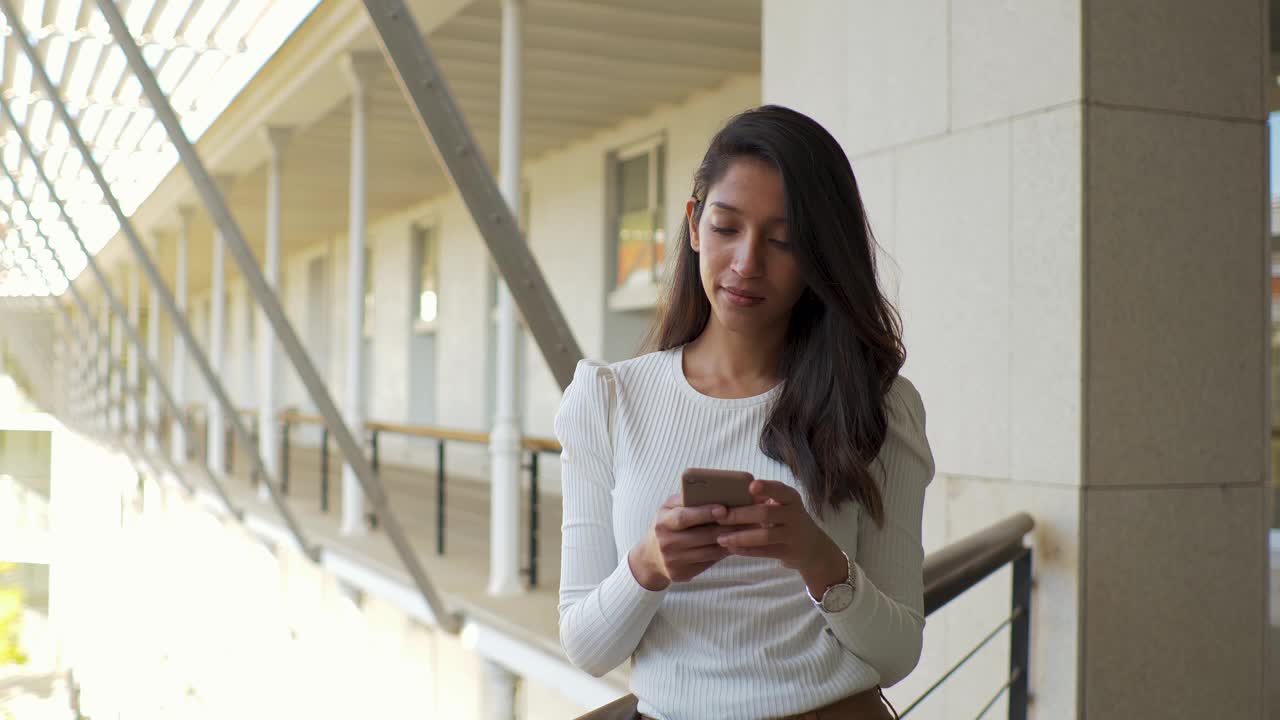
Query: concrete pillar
[[499, 691], [268, 430], [504, 442], [215, 437], [1074, 203], [133, 377], [178, 377], [216, 450], [362, 69]]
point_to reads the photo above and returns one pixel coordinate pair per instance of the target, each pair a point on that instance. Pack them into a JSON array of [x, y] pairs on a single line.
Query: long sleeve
[[885, 624], [604, 611]]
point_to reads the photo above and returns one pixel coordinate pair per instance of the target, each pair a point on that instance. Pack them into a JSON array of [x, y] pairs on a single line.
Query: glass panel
[[428, 299], [641, 240], [635, 248], [633, 183]]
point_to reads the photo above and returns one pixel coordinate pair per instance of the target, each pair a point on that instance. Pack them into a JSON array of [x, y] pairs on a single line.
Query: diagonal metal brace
[[99, 336], [215, 204], [144, 259], [424, 86]]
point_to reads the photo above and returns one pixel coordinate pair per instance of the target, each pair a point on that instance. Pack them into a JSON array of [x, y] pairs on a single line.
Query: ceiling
[[202, 51], [588, 65]]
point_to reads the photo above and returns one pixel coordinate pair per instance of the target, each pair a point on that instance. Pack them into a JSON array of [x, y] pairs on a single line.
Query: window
[[426, 279], [639, 239]]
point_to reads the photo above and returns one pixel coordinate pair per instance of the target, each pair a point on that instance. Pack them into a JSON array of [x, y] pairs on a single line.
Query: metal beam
[[140, 252], [99, 338], [87, 352], [424, 87], [113, 301], [217, 208], [85, 34], [137, 453]]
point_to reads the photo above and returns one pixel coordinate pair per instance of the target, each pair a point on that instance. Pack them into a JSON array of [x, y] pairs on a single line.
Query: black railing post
[[284, 456], [373, 461], [440, 496], [533, 518], [324, 469], [1020, 637]]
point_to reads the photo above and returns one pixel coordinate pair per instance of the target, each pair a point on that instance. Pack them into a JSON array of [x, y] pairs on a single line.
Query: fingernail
[[722, 540]]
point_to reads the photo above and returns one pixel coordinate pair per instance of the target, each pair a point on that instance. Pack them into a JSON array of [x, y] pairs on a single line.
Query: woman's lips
[[741, 298]]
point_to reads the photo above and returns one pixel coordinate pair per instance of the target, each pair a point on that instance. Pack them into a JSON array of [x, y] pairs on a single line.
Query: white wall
[[975, 202]]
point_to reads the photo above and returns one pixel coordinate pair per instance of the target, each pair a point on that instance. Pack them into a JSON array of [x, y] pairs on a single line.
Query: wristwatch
[[838, 596]]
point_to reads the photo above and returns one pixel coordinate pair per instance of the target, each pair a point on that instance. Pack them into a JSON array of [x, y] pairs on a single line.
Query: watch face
[[837, 598]]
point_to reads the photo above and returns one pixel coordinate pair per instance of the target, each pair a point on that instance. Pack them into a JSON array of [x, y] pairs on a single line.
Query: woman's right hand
[[681, 544]]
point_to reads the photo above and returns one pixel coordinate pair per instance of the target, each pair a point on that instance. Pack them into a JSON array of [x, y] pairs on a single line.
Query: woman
[[778, 355]]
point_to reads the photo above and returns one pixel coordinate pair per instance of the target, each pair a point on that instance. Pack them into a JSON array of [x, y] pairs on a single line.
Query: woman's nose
[[748, 258]]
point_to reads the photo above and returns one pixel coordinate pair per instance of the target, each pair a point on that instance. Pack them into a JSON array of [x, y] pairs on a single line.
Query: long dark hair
[[844, 340]]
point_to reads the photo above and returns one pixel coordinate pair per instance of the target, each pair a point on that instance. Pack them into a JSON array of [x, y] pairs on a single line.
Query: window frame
[[420, 232], [639, 296]]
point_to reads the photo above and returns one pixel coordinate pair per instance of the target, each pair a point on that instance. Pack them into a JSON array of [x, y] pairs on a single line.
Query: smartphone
[[701, 486]]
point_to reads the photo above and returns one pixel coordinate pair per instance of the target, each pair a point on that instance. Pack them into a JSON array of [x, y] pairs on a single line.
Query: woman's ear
[[689, 207]]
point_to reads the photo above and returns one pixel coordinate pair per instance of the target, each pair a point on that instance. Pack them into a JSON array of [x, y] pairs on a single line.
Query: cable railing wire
[[981, 644], [1003, 688]]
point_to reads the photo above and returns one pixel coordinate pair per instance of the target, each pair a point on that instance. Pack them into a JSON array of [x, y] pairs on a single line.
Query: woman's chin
[[743, 320]]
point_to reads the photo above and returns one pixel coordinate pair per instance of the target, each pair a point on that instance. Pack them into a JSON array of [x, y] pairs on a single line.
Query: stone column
[[1073, 199]]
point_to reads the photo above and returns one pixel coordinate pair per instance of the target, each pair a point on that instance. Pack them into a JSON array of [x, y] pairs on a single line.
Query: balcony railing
[[948, 573], [532, 447]]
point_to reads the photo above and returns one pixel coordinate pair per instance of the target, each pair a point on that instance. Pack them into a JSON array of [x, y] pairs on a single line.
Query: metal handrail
[[961, 565], [950, 572], [534, 445], [953, 570]]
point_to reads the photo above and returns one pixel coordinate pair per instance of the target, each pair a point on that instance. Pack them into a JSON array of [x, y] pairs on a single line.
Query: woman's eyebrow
[[730, 208]]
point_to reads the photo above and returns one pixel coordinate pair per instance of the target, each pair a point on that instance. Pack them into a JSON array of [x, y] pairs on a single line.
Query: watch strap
[[849, 580]]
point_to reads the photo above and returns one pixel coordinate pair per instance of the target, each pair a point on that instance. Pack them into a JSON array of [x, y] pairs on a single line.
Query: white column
[[216, 430], [277, 138], [499, 691], [178, 377], [361, 68], [151, 411], [132, 410], [504, 442], [113, 367]]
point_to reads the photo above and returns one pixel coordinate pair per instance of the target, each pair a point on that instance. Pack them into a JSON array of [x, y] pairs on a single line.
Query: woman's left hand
[[782, 529]]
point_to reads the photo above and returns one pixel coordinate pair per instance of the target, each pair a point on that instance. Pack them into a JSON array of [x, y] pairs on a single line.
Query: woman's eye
[[723, 230], [781, 244]]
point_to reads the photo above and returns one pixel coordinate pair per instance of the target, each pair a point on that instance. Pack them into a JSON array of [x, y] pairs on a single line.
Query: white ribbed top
[[741, 640]]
